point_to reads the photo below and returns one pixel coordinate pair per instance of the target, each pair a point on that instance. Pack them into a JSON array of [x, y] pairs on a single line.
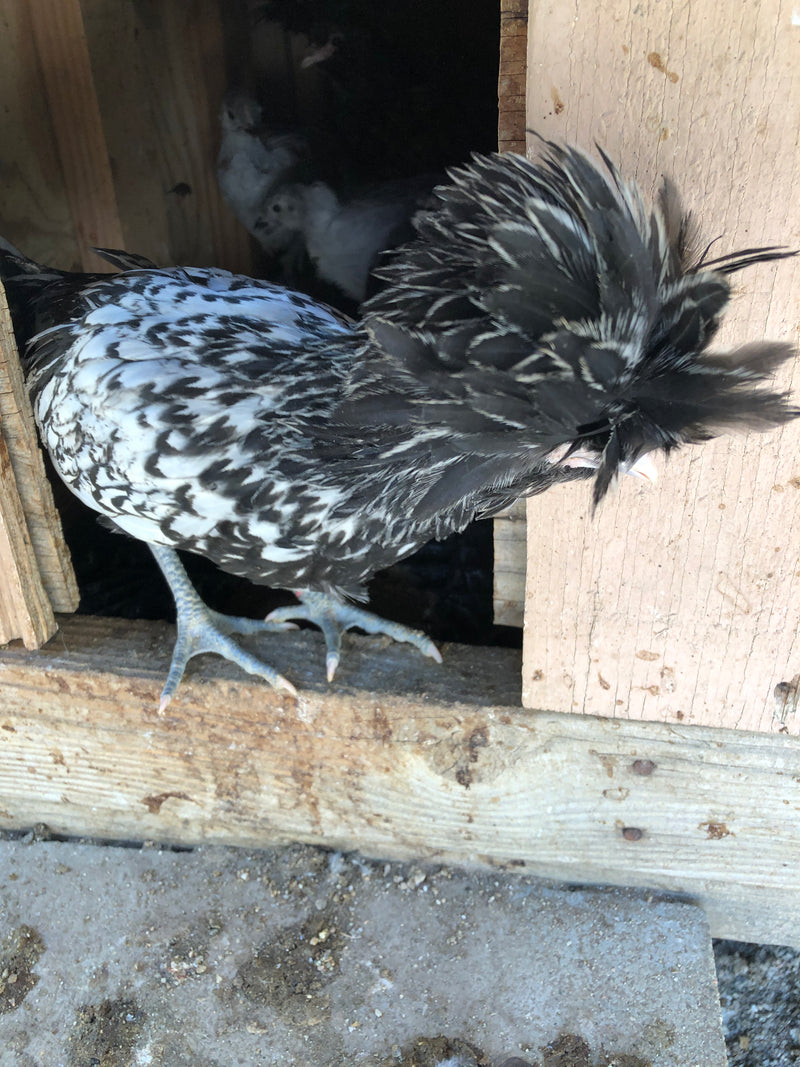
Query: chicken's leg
[[335, 616], [200, 629]]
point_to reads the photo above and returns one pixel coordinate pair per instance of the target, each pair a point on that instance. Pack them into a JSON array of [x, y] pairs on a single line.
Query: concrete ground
[[114, 956]]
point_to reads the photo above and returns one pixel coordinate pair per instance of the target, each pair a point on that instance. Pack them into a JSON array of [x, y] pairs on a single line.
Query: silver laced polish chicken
[[542, 326]]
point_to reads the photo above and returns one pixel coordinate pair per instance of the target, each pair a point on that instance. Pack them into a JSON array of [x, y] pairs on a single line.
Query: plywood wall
[[682, 603], [110, 131]]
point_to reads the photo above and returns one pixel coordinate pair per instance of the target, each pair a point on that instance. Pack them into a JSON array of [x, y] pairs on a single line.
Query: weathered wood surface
[[510, 565], [511, 78], [25, 611], [111, 129], [400, 758], [66, 73], [34, 208], [509, 528], [36, 572], [681, 603], [160, 75]]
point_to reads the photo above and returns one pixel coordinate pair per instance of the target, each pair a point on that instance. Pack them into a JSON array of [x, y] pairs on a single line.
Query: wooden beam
[[509, 528], [160, 75], [34, 208], [510, 565], [511, 78], [400, 758], [25, 611], [57, 27], [681, 604], [36, 576]]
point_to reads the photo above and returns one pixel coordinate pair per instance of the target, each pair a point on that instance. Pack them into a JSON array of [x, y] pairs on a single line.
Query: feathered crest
[[551, 287]]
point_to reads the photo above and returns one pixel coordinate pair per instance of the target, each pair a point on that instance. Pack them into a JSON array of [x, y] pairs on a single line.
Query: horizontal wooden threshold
[[399, 759]]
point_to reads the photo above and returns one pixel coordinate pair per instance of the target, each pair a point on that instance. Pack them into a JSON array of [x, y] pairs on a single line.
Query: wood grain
[[681, 604], [160, 75], [25, 611], [509, 528], [75, 116], [510, 565], [37, 575], [511, 76], [34, 208], [400, 758]]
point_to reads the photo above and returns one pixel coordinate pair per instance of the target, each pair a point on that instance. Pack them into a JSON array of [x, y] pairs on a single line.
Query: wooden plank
[[681, 604], [510, 565], [57, 27], [400, 758], [510, 546], [24, 608], [160, 75], [44, 557], [511, 78], [34, 208]]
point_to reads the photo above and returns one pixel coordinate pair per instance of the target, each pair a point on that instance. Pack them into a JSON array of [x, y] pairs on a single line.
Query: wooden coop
[[650, 736]]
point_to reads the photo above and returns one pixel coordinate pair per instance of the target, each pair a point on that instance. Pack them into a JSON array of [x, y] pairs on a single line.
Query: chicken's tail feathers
[[40, 295]]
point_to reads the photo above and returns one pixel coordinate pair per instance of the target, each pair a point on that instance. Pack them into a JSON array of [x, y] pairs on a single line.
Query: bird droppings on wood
[[655, 60], [154, 803], [644, 767], [787, 696], [715, 831]]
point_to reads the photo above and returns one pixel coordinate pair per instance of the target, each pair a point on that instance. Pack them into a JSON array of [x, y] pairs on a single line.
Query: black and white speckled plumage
[[187, 415], [558, 309], [542, 326]]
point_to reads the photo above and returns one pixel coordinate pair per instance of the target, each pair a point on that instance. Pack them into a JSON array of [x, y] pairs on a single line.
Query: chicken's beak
[[644, 467]]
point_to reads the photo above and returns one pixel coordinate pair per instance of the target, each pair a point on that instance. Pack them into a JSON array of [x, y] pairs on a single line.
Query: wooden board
[[511, 78], [34, 208], [510, 565], [400, 758], [66, 73], [159, 71], [680, 604], [111, 130], [509, 528], [25, 610], [36, 571]]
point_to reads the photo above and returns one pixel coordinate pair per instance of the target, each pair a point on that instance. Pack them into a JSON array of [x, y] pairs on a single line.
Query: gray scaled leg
[[334, 616], [201, 629]]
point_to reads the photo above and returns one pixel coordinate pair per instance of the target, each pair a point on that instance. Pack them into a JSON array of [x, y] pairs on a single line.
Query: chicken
[[541, 327], [303, 221], [343, 239], [253, 161]]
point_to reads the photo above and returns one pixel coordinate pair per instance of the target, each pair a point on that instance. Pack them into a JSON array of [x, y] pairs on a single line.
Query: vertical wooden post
[[680, 604], [36, 575], [511, 80], [58, 31]]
